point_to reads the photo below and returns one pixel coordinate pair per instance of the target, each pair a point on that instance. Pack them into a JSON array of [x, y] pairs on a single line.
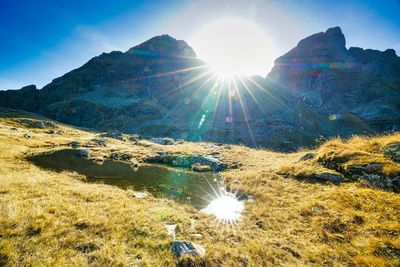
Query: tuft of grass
[[341, 155]]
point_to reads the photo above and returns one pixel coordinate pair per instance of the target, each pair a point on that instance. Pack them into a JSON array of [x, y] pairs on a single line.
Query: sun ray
[[269, 94], [244, 113], [178, 71], [251, 94]]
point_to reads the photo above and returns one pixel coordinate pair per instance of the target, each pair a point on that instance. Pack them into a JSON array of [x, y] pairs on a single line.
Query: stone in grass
[[392, 151], [307, 156], [138, 194], [163, 141], [366, 168], [75, 144], [326, 176], [100, 142], [181, 248]]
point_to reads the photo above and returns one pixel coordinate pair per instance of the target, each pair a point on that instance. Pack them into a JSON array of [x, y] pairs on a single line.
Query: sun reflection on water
[[227, 208]]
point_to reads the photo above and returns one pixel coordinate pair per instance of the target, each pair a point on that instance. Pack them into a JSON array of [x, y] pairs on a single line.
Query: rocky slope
[[159, 88]]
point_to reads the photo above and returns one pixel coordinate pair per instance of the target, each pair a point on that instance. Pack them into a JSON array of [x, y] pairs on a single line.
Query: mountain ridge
[[159, 88]]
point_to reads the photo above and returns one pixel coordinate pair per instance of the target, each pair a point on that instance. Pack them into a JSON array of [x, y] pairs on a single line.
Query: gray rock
[[38, 124], [368, 168], [133, 139], [201, 168], [215, 164], [307, 156], [49, 124], [162, 153], [163, 141], [114, 134], [326, 176], [392, 151], [183, 161], [180, 248], [75, 144], [83, 152], [100, 142], [235, 165], [187, 161], [120, 156]]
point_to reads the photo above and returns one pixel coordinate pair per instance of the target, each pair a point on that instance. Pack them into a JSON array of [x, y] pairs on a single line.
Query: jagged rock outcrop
[[160, 89], [339, 91]]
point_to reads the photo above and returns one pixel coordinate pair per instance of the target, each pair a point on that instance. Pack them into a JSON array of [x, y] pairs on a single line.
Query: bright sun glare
[[234, 46], [226, 207]]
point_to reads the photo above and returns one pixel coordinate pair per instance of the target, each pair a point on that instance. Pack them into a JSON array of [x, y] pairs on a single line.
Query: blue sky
[[43, 39]]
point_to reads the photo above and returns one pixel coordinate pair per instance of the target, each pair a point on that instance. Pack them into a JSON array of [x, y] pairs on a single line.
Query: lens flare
[[226, 208]]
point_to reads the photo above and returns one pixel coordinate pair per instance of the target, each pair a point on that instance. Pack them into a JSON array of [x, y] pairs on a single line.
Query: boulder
[[379, 181], [235, 165], [133, 139], [183, 161], [201, 168], [181, 248], [366, 168], [75, 144], [331, 177], [114, 134], [392, 151], [215, 164], [100, 142], [83, 152], [120, 156], [187, 161], [307, 156], [163, 141]]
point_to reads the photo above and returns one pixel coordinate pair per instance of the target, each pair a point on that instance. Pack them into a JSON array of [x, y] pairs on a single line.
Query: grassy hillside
[[57, 219]]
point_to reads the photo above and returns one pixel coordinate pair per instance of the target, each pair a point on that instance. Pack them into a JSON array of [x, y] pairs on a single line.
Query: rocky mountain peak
[[164, 45], [322, 47], [332, 38]]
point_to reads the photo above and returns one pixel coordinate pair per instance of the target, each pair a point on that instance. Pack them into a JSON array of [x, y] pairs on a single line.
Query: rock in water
[[181, 248], [83, 152], [201, 168]]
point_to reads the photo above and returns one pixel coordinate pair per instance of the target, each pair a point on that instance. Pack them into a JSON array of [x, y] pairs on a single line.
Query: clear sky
[[43, 39]]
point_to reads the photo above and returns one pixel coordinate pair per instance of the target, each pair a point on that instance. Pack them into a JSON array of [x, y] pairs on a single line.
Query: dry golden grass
[[341, 154], [56, 219]]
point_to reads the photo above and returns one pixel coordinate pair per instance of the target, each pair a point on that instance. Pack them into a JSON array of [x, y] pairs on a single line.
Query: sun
[[234, 47]]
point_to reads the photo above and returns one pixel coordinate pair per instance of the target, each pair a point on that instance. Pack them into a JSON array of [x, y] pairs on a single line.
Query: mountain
[[159, 88]]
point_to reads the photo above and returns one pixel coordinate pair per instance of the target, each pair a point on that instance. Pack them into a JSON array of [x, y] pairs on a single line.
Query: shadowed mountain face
[[160, 88]]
